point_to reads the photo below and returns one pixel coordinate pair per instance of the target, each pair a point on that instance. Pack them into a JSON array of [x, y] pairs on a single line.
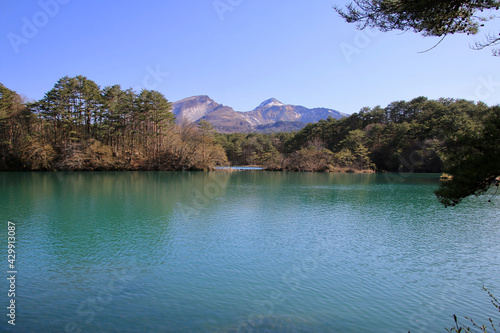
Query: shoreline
[[230, 169]]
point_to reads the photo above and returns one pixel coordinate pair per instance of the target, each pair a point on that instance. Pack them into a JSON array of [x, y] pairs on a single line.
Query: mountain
[[226, 120], [194, 108], [270, 102], [270, 116], [272, 110], [280, 126]]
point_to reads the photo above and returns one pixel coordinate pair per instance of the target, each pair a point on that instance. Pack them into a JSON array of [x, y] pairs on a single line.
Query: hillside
[[270, 116]]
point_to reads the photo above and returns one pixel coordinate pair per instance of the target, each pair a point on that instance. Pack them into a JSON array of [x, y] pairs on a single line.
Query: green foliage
[[352, 153], [472, 160], [10, 104], [79, 126], [433, 18], [344, 158], [73, 103], [15, 124], [429, 17], [455, 136], [154, 107], [281, 127], [255, 148]]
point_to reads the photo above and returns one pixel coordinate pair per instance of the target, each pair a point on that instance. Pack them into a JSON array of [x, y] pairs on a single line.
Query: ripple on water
[[305, 252]]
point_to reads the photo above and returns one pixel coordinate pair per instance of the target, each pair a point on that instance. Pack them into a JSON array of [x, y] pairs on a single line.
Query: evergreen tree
[[429, 17]]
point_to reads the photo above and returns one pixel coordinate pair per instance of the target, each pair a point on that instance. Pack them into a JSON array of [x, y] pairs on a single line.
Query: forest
[[414, 136], [79, 126]]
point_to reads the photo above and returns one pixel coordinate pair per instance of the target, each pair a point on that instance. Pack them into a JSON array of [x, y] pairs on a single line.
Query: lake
[[245, 251]]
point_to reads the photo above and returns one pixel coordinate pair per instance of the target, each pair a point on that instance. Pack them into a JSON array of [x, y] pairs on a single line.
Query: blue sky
[[239, 52]]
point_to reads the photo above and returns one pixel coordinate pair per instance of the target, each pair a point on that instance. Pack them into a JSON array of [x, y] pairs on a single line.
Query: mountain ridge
[[269, 115]]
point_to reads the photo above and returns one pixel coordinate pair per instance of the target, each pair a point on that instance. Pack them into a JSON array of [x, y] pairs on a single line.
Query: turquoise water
[[245, 251]]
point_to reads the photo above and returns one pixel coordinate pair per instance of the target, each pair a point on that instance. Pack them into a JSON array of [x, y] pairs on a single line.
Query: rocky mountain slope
[[271, 115]]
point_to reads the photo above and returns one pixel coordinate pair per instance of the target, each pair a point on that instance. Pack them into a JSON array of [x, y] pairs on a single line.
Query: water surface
[[243, 251]]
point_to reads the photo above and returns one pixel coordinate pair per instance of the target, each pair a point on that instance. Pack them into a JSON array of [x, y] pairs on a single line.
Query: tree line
[[455, 136], [79, 126], [402, 137]]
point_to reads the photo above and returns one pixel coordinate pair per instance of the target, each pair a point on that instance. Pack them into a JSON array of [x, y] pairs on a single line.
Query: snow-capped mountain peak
[[272, 114], [270, 102]]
